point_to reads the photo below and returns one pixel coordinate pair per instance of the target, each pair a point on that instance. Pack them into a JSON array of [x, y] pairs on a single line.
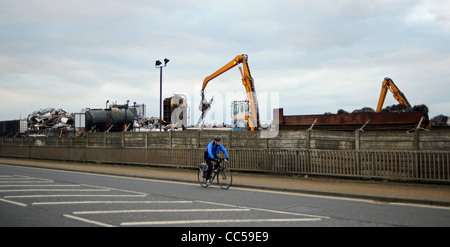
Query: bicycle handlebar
[[221, 159]]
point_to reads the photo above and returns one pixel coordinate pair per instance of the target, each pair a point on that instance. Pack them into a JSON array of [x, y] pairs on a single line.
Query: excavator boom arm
[[238, 59], [247, 81], [388, 84]]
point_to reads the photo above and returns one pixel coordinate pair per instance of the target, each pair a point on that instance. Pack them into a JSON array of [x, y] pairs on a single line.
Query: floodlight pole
[[159, 65], [160, 97]]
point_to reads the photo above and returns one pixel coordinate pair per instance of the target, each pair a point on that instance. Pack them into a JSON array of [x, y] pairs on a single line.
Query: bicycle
[[222, 173]]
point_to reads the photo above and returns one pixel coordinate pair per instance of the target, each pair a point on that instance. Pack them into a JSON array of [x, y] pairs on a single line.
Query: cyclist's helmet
[[217, 138]]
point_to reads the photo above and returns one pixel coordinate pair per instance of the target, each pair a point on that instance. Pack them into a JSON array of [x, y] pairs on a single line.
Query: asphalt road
[[35, 197]]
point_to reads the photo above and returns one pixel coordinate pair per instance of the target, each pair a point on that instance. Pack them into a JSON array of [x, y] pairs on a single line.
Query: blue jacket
[[214, 150]]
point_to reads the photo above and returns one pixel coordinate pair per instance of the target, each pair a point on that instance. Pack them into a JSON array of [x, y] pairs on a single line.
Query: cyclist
[[211, 152]]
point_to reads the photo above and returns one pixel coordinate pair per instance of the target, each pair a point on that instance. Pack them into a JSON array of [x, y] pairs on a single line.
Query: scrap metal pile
[[50, 119], [148, 123], [144, 124], [391, 108], [395, 117], [439, 120]]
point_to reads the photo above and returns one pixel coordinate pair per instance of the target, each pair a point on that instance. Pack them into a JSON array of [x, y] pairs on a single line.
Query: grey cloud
[[98, 50]]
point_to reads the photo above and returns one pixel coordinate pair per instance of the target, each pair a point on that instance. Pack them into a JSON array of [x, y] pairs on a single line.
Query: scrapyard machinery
[[404, 117], [369, 120], [252, 118], [386, 85]]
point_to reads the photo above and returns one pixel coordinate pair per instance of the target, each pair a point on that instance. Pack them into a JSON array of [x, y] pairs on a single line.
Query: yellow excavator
[[247, 81], [388, 84]]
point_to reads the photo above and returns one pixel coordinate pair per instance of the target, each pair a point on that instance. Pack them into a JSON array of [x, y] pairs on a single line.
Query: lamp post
[[159, 65]]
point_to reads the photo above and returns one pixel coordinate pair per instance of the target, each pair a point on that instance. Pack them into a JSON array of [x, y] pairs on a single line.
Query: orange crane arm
[[388, 84], [248, 83], [237, 60]]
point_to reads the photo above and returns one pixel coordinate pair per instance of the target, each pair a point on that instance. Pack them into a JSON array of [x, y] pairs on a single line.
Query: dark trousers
[[210, 166]]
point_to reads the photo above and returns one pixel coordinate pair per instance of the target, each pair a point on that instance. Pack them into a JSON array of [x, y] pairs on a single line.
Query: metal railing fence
[[404, 165], [392, 165]]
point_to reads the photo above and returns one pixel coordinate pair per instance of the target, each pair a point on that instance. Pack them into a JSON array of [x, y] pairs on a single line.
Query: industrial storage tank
[[175, 110], [108, 119]]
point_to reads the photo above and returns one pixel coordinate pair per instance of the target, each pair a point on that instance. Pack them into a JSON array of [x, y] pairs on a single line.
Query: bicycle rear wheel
[[224, 178], [201, 180]]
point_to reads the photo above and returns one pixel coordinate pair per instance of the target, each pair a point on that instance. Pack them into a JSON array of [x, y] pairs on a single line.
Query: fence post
[[416, 154], [146, 140], [357, 140], [308, 151], [416, 139], [123, 139], [357, 153]]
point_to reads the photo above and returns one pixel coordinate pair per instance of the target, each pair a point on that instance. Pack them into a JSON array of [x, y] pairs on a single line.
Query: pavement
[[375, 190]]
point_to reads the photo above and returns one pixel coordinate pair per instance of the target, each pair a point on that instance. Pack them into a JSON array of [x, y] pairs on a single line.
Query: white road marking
[[23, 179], [420, 205], [163, 211], [266, 210], [108, 188], [16, 203], [215, 221], [28, 182], [107, 202], [52, 190], [87, 221], [295, 217], [41, 185], [39, 196]]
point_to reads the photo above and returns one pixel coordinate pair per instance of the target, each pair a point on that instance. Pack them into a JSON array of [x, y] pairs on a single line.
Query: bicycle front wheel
[[224, 178]]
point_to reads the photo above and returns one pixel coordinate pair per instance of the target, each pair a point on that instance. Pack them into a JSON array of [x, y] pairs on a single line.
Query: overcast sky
[[311, 57]]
